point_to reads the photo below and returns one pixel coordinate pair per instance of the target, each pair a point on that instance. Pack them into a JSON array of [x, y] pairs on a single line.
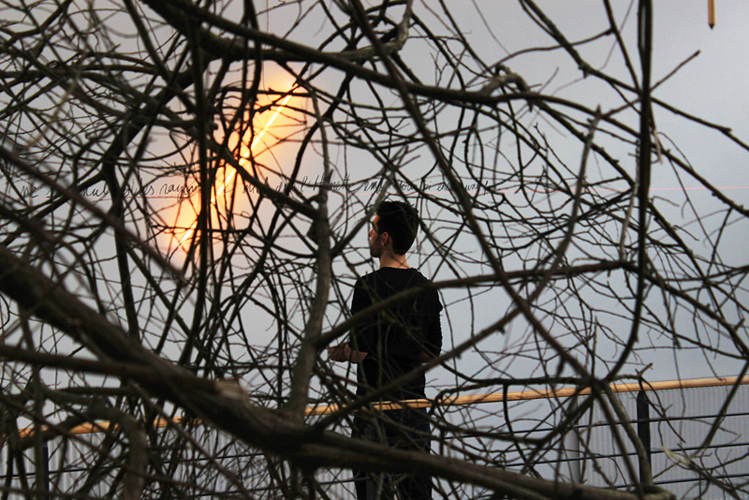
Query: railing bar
[[526, 432], [655, 451], [687, 480], [509, 464], [496, 397]]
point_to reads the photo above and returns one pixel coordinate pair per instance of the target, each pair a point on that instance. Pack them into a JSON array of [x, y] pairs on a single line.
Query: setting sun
[[246, 153]]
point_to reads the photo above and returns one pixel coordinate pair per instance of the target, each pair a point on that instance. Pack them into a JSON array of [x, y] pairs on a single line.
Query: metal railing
[[650, 416]]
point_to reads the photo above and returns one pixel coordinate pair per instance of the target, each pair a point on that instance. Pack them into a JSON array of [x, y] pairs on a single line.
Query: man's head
[[399, 221]]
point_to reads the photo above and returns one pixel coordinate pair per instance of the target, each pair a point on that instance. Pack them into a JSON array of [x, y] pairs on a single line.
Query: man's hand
[[338, 353], [343, 352]]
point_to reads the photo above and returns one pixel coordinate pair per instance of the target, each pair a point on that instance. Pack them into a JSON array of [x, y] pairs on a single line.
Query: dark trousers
[[406, 429]]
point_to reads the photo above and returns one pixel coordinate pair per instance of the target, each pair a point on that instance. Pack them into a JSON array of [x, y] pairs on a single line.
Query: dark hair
[[401, 221]]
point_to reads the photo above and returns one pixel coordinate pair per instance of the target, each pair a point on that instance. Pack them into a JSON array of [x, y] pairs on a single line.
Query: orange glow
[[243, 159], [267, 126]]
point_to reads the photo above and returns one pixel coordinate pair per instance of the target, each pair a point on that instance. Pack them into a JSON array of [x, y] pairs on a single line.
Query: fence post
[[43, 478], [8, 468], [643, 424], [572, 447]]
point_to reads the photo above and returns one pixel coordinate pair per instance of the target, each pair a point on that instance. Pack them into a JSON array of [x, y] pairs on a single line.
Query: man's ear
[[386, 239]]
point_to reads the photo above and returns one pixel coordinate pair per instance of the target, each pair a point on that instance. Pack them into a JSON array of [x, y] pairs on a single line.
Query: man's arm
[[343, 352], [433, 345]]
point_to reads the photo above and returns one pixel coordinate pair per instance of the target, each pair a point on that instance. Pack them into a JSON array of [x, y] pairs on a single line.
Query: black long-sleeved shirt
[[395, 336]]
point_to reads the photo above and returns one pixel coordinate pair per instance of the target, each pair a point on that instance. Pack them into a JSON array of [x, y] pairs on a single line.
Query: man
[[390, 345]]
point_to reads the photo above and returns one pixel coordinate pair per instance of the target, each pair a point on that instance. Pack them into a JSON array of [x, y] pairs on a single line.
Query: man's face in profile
[[375, 239]]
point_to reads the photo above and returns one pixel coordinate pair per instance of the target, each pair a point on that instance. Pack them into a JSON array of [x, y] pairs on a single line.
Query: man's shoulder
[[407, 278], [391, 280], [366, 278], [367, 284]]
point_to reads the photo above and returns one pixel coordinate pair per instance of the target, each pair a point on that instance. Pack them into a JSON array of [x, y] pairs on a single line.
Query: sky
[[711, 85]]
